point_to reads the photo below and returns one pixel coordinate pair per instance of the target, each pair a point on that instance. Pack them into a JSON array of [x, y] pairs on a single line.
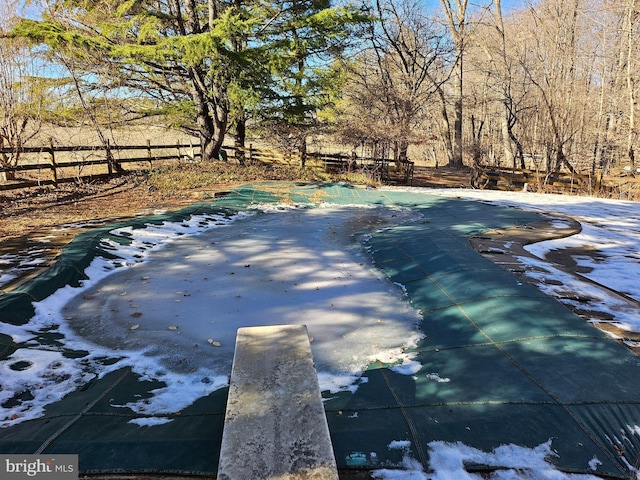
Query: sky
[[173, 272], [31, 9]]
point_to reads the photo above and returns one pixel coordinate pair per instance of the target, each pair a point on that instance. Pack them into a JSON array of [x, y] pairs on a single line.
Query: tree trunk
[[208, 148], [456, 13], [445, 130], [403, 148], [303, 151], [519, 154], [509, 157], [477, 148], [210, 129], [212, 121], [631, 136], [239, 138], [208, 145], [7, 161], [457, 123], [220, 122], [240, 134]]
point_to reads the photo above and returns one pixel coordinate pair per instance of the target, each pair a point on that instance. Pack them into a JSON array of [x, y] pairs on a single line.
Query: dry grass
[[180, 177], [169, 187]]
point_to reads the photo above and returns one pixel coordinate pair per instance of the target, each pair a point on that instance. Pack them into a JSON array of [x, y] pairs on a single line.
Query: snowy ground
[[177, 293], [447, 462]]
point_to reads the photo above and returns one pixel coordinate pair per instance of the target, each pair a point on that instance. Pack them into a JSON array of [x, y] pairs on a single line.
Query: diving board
[[275, 424]]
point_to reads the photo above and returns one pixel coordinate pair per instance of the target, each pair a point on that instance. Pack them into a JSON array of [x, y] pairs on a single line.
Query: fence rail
[[55, 164], [59, 164], [385, 170], [625, 185]]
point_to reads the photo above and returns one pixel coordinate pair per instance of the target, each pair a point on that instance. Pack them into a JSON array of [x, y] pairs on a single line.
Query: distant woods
[[551, 85]]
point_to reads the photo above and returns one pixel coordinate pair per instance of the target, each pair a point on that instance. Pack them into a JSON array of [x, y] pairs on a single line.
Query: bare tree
[[631, 25], [456, 15], [560, 71], [21, 98], [506, 84], [549, 57], [554, 81], [390, 86], [615, 132]]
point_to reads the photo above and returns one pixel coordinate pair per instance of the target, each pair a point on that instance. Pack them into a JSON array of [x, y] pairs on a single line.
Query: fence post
[[108, 154], [251, 154], [149, 154], [52, 159], [599, 182]]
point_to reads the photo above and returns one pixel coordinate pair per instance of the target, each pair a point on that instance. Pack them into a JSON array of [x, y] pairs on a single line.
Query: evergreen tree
[[202, 63]]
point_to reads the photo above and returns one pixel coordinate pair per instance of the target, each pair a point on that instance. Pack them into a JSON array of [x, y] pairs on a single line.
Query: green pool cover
[[525, 369]]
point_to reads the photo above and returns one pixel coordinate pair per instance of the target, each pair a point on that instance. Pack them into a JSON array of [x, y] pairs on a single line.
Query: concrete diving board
[[275, 425]]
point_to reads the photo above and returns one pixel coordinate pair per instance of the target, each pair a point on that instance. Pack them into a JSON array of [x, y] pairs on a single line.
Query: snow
[[407, 368], [170, 304], [437, 378], [149, 422], [13, 265], [447, 462]]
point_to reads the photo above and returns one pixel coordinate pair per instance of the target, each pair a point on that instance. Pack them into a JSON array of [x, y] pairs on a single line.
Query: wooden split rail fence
[[52, 164], [385, 170], [503, 178]]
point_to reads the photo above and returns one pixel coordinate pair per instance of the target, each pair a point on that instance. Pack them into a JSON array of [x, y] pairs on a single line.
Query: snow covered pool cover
[[121, 351]]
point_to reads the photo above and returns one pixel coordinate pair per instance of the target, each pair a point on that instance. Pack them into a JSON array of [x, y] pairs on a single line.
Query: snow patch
[[437, 378], [512, 462], [150, 421]]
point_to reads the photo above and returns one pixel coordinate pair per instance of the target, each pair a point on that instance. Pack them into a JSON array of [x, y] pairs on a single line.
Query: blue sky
[[506, 4], [32, 11]]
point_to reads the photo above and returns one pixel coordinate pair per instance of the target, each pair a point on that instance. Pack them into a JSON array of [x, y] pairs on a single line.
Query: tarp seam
[[531, 377], [412, 428], [77, 417]]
